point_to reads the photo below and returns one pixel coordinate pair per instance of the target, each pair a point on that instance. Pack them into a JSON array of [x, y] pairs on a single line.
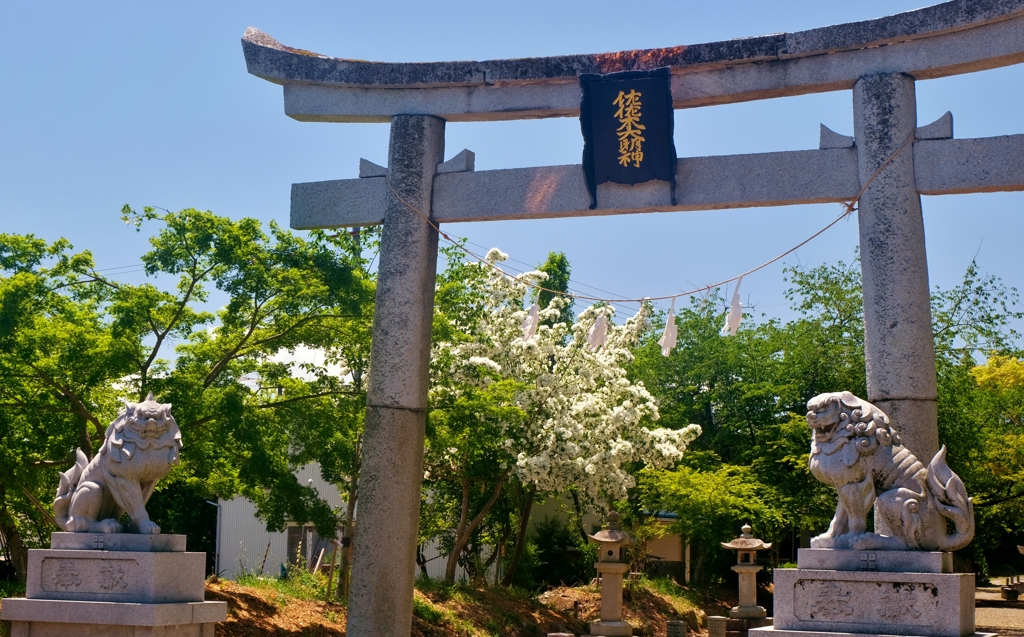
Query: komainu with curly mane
[[139, 448], [854, 449]]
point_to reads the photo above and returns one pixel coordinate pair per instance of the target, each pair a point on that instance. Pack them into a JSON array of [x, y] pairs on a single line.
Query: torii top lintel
[[945, 39]]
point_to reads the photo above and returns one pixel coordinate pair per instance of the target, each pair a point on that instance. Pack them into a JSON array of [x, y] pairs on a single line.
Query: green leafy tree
[[558, 271], [749, 392], [75, 344]]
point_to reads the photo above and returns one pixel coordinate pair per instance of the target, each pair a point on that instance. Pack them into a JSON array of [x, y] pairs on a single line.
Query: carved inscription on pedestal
[[866, 602], [88, 576], [112, 575], [898, 603], [65, 576], [831, 602]]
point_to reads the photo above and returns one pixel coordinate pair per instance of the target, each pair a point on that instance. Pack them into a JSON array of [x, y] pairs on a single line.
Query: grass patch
[[667, 587], [300, 584], [426, 611], [440, 616]]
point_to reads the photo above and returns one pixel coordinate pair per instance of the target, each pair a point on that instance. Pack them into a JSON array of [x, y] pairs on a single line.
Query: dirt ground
[[996, 615]]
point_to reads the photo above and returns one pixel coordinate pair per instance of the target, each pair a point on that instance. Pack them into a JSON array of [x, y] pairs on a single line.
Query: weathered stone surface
[[941, 128], [139, 448], [828, 138], [726, 626], [380, 600], [118, 542], [116, 576], [610, 629], [46, 629], [369, 169], [338, 203], [935, 604], [111, 613], [899, 349], [465, 161], [769, 631], [957, 166], [855, 450], [703, 183], [268, 58], [883, 561], [949, 38]]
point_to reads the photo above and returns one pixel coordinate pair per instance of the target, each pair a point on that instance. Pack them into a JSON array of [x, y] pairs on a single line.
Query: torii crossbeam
[[880, 60]]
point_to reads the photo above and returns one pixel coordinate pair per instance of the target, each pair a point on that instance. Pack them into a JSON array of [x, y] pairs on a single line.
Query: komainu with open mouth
[[856, 451], [139, 448]]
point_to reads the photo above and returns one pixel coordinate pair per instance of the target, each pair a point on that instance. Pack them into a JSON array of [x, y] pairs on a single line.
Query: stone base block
[[116, 576], [748, 612], [118, 542], [769, 631], [886, 561], [610, 629], [732, 627], [871, 602], [56, 618]]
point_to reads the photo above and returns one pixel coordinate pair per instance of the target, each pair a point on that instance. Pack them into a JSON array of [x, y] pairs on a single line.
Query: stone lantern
[[611, 567], [747, 547]]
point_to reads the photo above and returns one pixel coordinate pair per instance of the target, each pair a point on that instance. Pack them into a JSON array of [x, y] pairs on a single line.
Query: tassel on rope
[[669, 338], [598, 333], [530, 322], [732, 322]]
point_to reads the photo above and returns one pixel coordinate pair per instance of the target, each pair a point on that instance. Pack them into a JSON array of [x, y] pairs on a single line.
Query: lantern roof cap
[[612, 533], [746, 542]]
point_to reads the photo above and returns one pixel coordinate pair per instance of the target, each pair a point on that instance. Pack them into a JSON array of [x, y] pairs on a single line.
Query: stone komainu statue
[[854, 449], [139, 448]]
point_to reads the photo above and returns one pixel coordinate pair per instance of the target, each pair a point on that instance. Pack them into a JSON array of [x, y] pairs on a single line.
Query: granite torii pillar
[[899, 350], [381, 594]]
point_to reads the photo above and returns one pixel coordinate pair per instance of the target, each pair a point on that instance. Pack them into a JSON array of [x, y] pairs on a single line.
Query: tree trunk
[[496, 554], [698, 567], [84, 441], [348, 539], [421, 561], [15, 547], [465, 529], [579, 514], [524, 521]]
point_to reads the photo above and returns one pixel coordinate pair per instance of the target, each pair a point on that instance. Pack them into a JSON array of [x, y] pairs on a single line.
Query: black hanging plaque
[[627, 122]]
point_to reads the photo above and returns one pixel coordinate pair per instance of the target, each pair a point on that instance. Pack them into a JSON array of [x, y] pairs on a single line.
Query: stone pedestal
[[747, 608], [887, 561], [729, 627], [611, 624], [876, 593], [119, 590]]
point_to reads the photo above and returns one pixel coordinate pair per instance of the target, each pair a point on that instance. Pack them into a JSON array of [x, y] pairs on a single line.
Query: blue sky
[[150, 104]]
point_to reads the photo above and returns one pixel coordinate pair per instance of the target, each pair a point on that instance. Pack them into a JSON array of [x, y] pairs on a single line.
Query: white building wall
[[243, 539]]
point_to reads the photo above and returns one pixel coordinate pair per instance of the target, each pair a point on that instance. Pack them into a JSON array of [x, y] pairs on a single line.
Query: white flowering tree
[[546, 409]]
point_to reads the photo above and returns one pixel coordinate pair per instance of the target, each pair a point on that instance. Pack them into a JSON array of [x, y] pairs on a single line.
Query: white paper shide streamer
[[732, 322], [530, 322], [669, 338], [598, 333]]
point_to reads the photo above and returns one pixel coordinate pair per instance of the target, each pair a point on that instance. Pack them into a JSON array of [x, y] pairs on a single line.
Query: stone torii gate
[[880, 60]]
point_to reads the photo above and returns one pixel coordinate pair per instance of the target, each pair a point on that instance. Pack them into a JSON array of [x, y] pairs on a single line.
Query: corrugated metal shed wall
[[244, 538], [668, 548]]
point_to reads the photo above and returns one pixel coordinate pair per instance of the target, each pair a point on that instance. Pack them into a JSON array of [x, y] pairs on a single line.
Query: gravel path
[[995, 615]]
